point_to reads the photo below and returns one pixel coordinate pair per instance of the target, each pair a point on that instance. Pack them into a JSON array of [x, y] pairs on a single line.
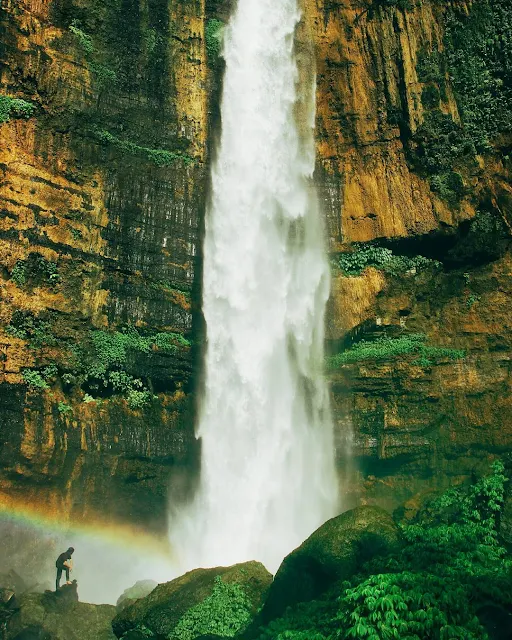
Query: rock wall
[[102, 193], [412, 428], [104, 180]]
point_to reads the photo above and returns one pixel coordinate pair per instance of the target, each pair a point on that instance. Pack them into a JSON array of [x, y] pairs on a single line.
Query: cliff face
[[102, 190], [104, 175], [413, 152]]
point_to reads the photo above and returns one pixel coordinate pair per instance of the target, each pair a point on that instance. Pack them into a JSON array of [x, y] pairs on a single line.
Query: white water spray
[[267, 476]]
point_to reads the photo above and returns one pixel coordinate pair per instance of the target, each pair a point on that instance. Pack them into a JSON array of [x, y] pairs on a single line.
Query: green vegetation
[[225, 612], [26, 326], [104, 362], [104, 74], [171, 288], [14, 108], [35, 270], [64, 408], [369, 255], [472, 299], [84, 40], [385, 348], [213, 36], [451, 565], [160, 157], [76, 234], [477, 57], [40, 379], [439, 144]]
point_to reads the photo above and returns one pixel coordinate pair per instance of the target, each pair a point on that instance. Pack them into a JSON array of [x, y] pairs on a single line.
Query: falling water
[[267, 473]]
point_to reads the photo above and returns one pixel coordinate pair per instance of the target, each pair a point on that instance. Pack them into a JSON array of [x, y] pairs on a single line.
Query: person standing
[[64, 563]]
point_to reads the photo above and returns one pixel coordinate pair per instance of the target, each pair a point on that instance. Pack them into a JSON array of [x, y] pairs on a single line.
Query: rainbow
[[15, 512]]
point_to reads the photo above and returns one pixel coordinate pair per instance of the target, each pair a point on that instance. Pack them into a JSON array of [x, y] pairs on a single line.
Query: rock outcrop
[[199, 602], [60, 616], [399, 168], [333, 553]]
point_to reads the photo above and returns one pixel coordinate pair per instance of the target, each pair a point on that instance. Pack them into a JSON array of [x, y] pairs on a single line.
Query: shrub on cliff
[[369, 255], [14, 108], [385, 348]]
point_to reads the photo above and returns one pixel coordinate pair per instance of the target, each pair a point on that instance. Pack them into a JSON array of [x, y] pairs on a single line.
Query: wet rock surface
[[59, 616], [171, 604], [333, 553]]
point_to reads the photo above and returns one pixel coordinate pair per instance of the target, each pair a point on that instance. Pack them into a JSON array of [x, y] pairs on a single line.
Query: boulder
[[11, 580], [52, 616], [332, 553], [34, 632], [7, 598], [140, 589], [198, 603]]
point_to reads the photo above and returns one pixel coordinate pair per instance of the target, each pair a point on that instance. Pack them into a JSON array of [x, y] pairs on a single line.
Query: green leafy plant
[[226, 612], [213, 36], [365, 255], [84, 40], [40, 379], [14, 108], [138, 399], [76, 234], [26, 326], [19, 273], [451, 564], [104, 74], [103, 362], [472, 299], [160, 157], [35, 269], [64, 408], [385, 348]]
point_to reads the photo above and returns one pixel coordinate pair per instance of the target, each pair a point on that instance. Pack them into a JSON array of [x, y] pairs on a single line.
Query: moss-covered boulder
[[45, 615], [333, 552], [221, 601]]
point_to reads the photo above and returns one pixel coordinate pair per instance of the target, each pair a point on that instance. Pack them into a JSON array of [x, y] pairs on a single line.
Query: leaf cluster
[[103, 362], [225, 612], [35, 270], [365, 255], [40, 379], [14, 108], [160, 157], [25, 326], [451, 564], [214, 30], [385, 348], [104, 74]]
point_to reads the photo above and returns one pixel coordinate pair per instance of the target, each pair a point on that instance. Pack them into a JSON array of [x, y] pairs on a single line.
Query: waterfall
[[268, 478]]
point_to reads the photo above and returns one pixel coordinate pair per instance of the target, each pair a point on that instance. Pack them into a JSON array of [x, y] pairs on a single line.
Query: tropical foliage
[[451, 564]]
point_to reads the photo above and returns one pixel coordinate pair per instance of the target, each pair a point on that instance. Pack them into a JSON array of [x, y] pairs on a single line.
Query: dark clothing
[[60, 568], [59, 576], [62, 559]]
